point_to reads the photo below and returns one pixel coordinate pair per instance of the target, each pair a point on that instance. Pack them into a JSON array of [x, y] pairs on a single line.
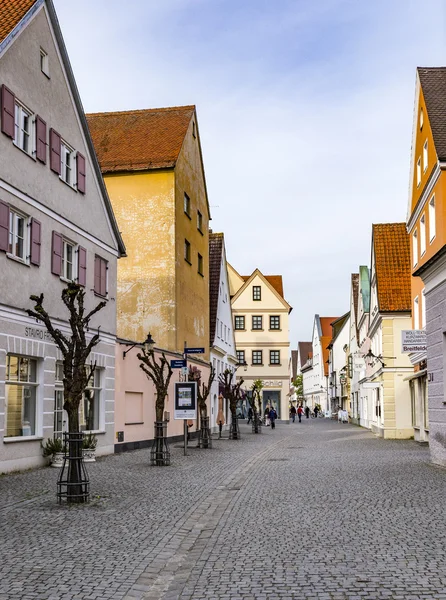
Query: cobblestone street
[[312, 510]]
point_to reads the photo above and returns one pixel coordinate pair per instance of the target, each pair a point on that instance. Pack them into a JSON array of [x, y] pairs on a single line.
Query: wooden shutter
[[97, 274], [8, 112], [41, 140], [56, 254], [54, 151], [4, 226], [80, 175], [36, 229], [82, 261], [103, 277]]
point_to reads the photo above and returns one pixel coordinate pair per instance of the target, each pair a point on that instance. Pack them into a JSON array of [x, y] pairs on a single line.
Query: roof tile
[[139, 140], [391, 247], [11, 13]]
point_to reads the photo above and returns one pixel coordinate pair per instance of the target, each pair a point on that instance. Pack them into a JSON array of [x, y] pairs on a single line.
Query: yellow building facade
[[153, 170]]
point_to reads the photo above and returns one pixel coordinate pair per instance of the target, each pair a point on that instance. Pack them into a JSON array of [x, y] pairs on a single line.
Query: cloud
[[305, 116]]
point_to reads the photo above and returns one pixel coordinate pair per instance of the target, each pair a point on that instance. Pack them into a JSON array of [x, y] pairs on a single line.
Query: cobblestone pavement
[[315, 510]]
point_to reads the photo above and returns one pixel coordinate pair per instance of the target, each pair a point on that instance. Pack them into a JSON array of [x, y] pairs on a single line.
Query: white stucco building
[[56, 225], [337, 364]]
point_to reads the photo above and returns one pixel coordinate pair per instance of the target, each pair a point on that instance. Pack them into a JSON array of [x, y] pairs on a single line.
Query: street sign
[[177, 363], [185, 406], [184, 370], [194, 351], [413, 340]]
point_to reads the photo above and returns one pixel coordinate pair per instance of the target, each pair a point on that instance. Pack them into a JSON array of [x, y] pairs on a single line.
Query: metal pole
[[185, 427]]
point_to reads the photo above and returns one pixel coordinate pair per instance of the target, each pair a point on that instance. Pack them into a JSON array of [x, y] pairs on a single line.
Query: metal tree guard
[[256, 423], [73, 484], [160, 453], [205, 439], [234, 430]]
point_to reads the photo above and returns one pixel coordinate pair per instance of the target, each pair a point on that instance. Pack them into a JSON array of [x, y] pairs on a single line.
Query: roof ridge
[[142, 110]]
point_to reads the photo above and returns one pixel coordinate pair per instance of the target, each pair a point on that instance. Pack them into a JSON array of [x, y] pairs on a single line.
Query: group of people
[[299, 411], [270, 416]]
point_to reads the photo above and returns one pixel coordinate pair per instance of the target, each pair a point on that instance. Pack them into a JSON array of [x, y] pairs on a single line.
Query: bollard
[[220, 429]]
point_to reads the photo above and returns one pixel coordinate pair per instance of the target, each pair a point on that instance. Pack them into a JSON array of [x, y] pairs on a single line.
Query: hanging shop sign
[[185, 400], [413, 340]]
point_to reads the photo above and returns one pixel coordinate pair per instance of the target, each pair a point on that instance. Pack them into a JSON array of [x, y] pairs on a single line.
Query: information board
[[185, 400], [413, 340]]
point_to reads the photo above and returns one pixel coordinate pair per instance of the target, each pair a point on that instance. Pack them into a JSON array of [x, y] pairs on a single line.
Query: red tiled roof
[[326, 325], [391, 247], [274, 280], [433, 84], [139, 140], [11, 13], [216, 242]]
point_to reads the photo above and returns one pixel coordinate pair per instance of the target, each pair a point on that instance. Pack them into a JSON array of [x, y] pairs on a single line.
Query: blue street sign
[[194, 350], [177, 364]]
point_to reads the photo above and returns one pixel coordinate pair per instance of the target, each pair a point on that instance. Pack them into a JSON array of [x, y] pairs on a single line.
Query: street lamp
[[243, 364], [149, 344]]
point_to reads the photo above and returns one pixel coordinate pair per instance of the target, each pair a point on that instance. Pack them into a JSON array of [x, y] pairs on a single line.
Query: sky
[[305, 114]]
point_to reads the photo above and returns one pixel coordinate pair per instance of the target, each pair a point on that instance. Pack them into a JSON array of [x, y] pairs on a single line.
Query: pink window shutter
[[56, 254], [8, 111], [36, 229], [41, 140], [80, 167], [103, 277], [54, 151], [97, 274], [82, 257], [4, 226]]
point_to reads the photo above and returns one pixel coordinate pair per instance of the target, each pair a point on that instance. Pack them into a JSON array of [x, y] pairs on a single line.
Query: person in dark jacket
[[250, 415], [307, 412], [293, 413], [273, 417]]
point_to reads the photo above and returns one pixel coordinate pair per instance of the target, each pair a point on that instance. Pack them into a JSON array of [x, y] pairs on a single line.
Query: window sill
[[72, 187], [432, 239], [30, 154], [274, 330], [135, 423], [275, 365], [95, 431], [200, 231], [239, 329], [188, 262], [66, 280], [256, 364], [17, 259], [100, 296], [22, 438], [188, 215], [253, 329], [201, 274]]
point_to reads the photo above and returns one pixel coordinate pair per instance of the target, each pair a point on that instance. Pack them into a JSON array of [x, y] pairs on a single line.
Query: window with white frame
[[422, 235], [423, 309], [415, 248], [91, 409], [21, 396], [23, 128], [60, 416], [421, 119], [416, 313], [432, 229], [418, 171], [44, 62], [67, 170], [18, 230], [68, 260], [425, 157]]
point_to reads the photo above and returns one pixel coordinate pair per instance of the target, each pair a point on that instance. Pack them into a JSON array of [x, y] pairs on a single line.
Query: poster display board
[[185, 400]]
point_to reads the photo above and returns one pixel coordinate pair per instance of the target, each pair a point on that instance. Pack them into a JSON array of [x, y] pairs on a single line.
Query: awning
[[416, 375]]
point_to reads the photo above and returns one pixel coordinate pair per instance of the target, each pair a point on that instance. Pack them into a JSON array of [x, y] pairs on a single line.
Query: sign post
[[185, 406]]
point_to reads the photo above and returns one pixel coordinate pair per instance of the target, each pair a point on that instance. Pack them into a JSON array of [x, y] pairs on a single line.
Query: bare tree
[[233, 392], [203, 389], [75, 350], [256, 403]]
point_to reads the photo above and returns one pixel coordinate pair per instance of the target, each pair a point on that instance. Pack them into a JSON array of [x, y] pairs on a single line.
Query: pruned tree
[[299, 386], [160, 373], [203, 389], [75, 349], [256, 402], [233, 392]]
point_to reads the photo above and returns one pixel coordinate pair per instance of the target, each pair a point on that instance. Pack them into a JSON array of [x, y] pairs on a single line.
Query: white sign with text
[[413, 340]]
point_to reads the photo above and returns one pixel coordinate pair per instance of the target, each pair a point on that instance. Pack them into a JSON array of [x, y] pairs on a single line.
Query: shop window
[[90, 409], [21, 396]]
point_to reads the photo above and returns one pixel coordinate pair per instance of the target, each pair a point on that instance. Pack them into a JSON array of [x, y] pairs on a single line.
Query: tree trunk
[[159, 407], [74, 492]]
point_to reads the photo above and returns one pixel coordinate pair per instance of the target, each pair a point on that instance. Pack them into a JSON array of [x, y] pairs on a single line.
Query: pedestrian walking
[[250, 415], [300, 411], [293, 413], [266, 415], [307, 412], [273, 417], [316, 410]]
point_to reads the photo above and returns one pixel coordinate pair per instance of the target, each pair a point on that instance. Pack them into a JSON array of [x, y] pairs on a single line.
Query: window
[[44, 62], [59, 413], [414, 248], [256, 292], [90, 409], [199, 221], [100, 276], [187, 251], [23, 128], [425, 157], [17, 235], [187, 204], [421, 119], [21, 396], [257, 357], [432, 230], [423, 309], [274, 322], [416, 314], [239, 323], [422, 235], [193, 129], [418, 172], [200, 264], [241, 357], [257, 322], [68, 254], [274, 357], [66, 163]]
